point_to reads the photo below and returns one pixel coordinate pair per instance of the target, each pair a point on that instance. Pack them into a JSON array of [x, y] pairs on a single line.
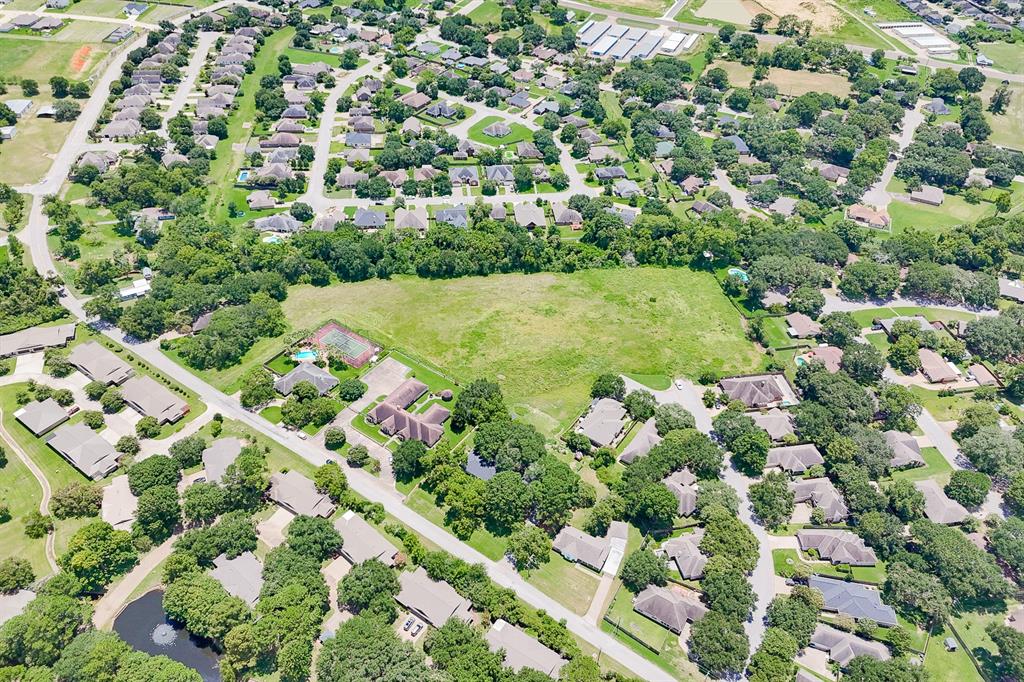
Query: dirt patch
[[80, 59], [823, 16], [730, 11]]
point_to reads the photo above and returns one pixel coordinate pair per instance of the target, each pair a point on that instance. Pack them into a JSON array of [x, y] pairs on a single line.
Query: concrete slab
[[271, 530], [31, 363]]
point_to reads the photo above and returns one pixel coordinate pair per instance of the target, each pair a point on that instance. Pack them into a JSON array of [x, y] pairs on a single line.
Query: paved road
[[689, 395], [376, 490], [110, 604], [877, 195], [195, 65], [44, 502], [834, 303]]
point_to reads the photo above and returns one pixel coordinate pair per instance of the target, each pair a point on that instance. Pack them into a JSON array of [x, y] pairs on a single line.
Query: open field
[[1008, 57], [26, 158], [728, 11], [487, 11], [792, 83], [948, 666], [569, 583], [646, 8], [98, 8], [1007, 128], [31, 57], [544, 337]]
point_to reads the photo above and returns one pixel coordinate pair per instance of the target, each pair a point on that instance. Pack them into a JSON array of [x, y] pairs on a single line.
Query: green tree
[[330, 479], [203, 502], [314, 537], [158, 513], [643, 568], [508, 499], [528, 547], [640, 405], [969, 488], [151, 472], [406, 459], [15, 574], [367, 649], [772, 500], [719, 644], [609, 386], [727, 590], [96, 554], [672, 417], [188, 451], [481, 401], [369, 586], [76, 500]]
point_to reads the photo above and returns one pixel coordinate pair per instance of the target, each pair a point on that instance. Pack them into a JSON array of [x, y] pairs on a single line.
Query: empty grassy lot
[[792, 83], [647, 8], [26, 158], [544, 336], [1008, 127], [1008, 57], [41, 58], [487, 11]]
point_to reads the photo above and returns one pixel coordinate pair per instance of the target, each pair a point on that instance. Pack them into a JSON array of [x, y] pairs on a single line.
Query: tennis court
[[344, 343]]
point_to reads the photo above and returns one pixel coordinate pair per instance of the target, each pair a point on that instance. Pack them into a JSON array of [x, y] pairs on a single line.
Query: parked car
[[416, 630], [408, 623]]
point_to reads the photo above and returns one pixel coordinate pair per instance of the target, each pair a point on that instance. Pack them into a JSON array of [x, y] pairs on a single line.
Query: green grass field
[[935, 466], [544, 337], [933, 219], [1008, 127], [1008, 57], [487, 11], [948, 666], [518, 134]]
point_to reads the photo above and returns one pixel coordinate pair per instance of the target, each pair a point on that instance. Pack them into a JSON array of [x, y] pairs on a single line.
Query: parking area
[[410, 627]]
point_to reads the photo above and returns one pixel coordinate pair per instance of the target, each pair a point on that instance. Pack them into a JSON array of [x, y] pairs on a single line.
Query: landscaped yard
[[21, 493], [935, 466], [519, 132], [571, 585], [672, 656], [948, 666], [544, 337], [785, 560], [953, 211]]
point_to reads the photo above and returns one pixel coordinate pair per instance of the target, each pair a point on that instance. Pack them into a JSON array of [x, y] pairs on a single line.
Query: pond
[[144, 625]]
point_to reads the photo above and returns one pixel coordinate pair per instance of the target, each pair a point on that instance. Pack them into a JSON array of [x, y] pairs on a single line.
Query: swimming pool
[[272, 239], [739, 273], [243, 176], [308, 354]]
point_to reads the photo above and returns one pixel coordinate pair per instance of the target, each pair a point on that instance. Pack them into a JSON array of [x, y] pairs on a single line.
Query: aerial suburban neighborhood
[[502, 340]]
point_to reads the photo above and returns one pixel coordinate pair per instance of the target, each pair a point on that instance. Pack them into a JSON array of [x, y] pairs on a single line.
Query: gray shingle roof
[[853, 599]]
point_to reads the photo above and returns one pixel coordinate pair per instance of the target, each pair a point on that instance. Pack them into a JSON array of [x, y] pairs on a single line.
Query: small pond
[[144, 625]]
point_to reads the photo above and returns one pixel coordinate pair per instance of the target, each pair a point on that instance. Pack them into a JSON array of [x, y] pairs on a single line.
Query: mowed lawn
[[1007, 56], [519, 132], [544, 336]]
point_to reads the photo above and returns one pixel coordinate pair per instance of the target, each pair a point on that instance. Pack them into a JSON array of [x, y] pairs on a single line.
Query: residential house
[[296, 493], [843, 647], [433, 601], [84, 449], [322, 380], [456, 217], [529, 215], [906, 451], [498, 129], [522, 650], [668, 608], [759, 391], [362, 541], [279, 222], [35, 339], [151, 399], [684, 551], [936, 368], [822, 494], [566, 216], [415, 218], [776, 422], [836, 546], [41, 417], [800, 326], [928, 194], [603, 422], [240, 577], [853, 599], [218, 456], [99, 364], [938, 507], [500, 174], [866, 215], [394, 418], [464, 175], [368, 219], [796, 459]]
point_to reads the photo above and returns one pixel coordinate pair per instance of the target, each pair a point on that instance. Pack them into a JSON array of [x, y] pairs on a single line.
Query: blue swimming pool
[[739, 273], [272, 239], [305, 355], [243, 176]]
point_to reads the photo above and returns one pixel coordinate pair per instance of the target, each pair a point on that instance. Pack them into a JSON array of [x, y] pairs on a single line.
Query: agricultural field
[[544, 337]]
